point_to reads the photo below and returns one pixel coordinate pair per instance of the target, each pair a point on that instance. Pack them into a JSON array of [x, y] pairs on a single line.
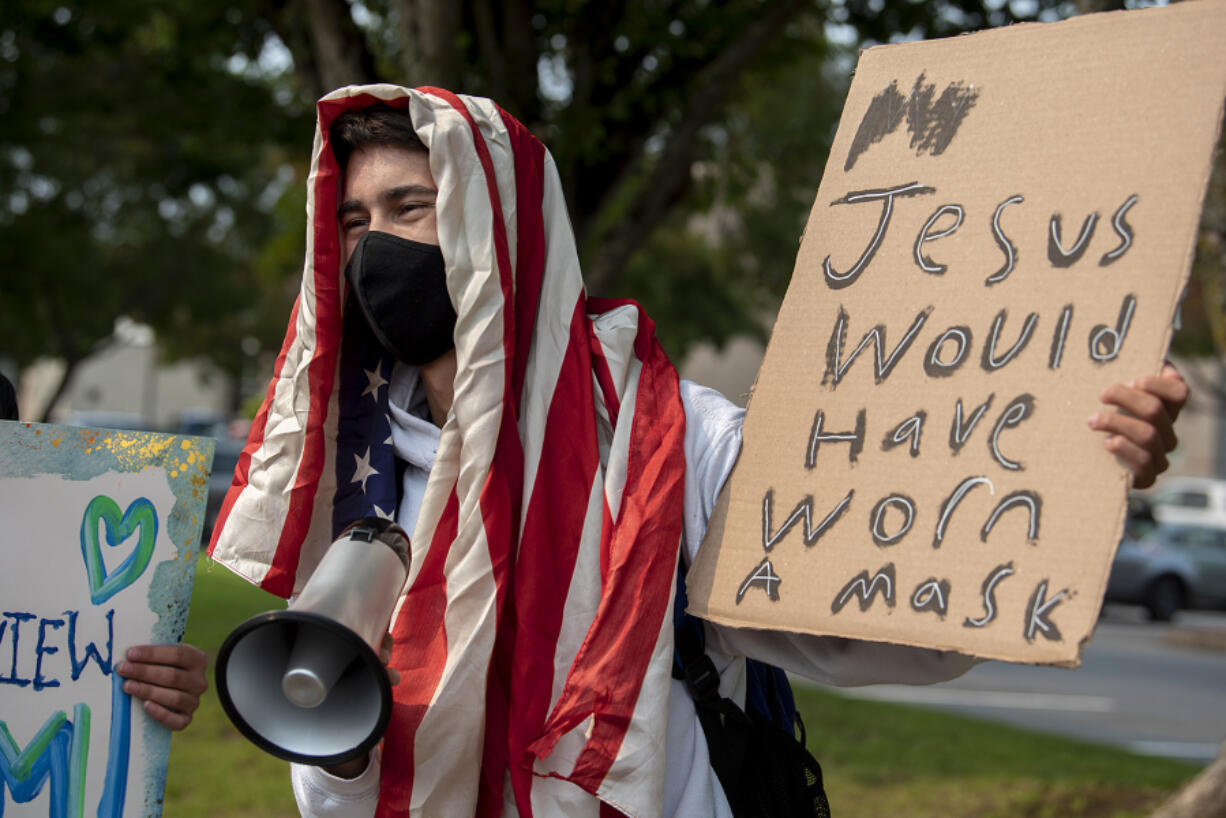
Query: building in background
[[125, 385]]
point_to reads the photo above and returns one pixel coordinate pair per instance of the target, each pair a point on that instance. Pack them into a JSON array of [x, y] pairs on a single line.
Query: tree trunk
[[505, 44], [70, 365], [428, 32], [1202, 797], [670, 176], [341, 55]]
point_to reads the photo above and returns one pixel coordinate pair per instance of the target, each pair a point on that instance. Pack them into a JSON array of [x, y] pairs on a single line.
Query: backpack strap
[[762, 768], [723, 723]]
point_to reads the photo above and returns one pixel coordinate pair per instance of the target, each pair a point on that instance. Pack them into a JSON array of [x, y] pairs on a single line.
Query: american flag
[[534, 635]]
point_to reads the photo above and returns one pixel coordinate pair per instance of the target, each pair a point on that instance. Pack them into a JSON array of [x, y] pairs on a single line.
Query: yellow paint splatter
[[135, 450]]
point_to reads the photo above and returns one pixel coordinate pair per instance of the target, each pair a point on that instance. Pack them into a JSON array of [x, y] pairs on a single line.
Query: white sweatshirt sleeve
[[321, 795], [712, 445]]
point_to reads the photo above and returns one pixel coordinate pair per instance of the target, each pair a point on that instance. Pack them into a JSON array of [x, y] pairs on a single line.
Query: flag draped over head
[[533, 636]]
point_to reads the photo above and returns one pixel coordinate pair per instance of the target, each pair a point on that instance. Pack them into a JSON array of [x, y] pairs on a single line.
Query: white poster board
[[99, 533]]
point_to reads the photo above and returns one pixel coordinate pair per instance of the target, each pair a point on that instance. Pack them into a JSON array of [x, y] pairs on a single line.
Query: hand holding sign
[[1143, 433], [982, 281], [169, 678]]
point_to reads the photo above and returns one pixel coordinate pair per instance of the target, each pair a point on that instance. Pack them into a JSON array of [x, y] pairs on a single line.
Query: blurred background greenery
[[153, 155]]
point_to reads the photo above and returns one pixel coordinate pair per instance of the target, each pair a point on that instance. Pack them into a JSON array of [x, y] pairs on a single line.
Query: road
[[1135, 689]]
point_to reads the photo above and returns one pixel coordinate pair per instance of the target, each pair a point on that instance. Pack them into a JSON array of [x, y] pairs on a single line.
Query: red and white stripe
[[534, 635]]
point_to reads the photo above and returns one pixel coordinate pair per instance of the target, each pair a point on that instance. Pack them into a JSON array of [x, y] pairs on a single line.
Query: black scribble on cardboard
[[884, 114], [932, 120]]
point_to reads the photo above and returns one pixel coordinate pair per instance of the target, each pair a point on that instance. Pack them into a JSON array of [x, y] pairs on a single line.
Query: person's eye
[[354, 223], [410, 209]]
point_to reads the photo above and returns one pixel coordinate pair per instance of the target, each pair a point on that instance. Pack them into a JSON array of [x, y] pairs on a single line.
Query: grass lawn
[[890, 760], [879, 759], [214, 771]]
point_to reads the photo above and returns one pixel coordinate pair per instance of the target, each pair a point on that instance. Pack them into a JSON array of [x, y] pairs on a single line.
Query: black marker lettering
[[1056, 254], [1006, 246], [836, 280], [1036, 614], [951, 502], [1030, 500], [884, 115], [802, 512], [836, 367], [1018, 410], [926, 264], [931, 595], [854, 438], [988, 591], [910, 429], [932, 124], [865, 590], [1105, 342], [989, 361], [876, 518], [958, 433], [1124, 230], [1058, 337], [764, 577], [938, 368]]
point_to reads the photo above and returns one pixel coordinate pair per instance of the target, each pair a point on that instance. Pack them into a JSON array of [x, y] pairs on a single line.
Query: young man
[[444, 366]]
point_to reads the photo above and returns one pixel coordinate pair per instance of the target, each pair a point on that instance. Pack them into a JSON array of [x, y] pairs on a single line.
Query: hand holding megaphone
[[308, 684]]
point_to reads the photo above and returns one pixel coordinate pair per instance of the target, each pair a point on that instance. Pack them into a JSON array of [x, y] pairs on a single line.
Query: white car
[[1190, 501]]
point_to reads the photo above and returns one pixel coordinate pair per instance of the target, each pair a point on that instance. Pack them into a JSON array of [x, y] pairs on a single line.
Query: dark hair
[[379, 124]]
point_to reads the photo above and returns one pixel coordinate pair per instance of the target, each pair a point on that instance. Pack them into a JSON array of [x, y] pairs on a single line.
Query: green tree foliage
[[152, 155], [138, 177]]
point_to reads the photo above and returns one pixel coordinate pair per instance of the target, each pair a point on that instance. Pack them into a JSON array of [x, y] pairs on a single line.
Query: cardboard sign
[[1004, 228], [99, 533]]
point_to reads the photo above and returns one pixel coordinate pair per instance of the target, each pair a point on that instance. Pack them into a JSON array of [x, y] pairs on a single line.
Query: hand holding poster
[[99, 532], [1003, 230]]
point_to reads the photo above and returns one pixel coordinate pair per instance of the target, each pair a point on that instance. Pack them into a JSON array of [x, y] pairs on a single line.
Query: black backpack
[[764, 770]]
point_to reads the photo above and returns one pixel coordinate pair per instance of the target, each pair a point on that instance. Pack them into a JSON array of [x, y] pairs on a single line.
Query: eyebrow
[[392, 194]]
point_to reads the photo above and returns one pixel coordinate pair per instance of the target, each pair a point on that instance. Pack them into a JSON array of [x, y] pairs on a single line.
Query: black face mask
[[401, 286]]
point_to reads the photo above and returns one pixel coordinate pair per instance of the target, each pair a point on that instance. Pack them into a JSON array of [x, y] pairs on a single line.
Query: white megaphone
[[306, 684]]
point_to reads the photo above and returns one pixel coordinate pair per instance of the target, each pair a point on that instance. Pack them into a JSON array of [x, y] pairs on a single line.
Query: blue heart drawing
[[119, 527]]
